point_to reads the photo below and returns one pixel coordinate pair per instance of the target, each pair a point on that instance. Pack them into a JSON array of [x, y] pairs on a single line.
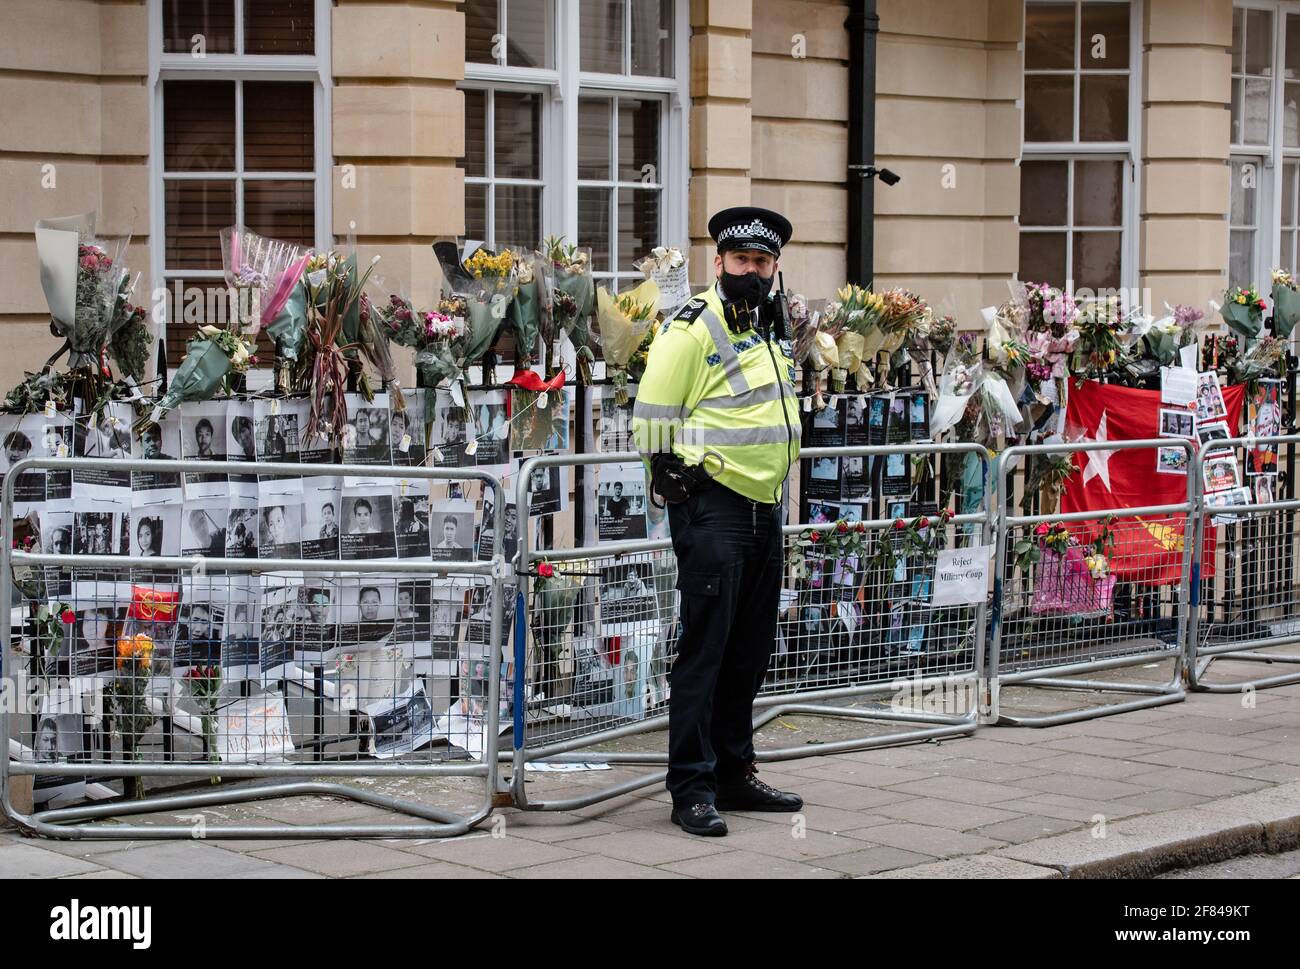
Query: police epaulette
[[691, 311]]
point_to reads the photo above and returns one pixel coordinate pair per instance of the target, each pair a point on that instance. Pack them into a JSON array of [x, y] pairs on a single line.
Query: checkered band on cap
[[754, 229]]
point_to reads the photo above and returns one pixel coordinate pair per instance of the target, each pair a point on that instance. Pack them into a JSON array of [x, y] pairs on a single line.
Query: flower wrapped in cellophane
[[212, 358], [1286, 303], [852, 321], [525, 312], [1243, 311], [622, 323], [572, 291], [1100, 348], [86, 284], [1169, 334], [262, 275]]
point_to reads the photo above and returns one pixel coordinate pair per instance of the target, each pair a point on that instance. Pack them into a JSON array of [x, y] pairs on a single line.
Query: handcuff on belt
[[676, 481]]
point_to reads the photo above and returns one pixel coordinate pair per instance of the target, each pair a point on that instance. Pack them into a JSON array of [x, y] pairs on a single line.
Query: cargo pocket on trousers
[[699, 584]]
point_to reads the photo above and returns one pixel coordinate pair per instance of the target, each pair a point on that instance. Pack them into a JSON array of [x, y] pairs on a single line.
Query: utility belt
[[676, 481]]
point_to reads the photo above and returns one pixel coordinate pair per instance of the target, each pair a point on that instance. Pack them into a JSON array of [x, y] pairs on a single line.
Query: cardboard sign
[[961, 576]]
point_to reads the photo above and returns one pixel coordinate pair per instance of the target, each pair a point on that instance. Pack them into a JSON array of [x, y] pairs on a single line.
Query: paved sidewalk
[[1185, 784]]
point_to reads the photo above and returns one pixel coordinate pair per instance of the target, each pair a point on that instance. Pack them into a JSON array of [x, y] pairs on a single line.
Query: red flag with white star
[[1148, 549]]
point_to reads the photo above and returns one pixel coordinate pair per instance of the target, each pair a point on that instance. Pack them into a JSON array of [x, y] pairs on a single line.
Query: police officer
[[717, 419]]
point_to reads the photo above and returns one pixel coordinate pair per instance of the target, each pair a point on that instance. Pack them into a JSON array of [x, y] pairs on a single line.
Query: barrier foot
[[1264, 682], [1167, 695], [54, 824]]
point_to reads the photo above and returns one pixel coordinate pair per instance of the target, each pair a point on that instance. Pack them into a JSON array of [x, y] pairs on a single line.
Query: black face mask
[[750, 287]]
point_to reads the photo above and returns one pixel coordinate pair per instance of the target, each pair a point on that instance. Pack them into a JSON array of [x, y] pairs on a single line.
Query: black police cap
[[749, 227]]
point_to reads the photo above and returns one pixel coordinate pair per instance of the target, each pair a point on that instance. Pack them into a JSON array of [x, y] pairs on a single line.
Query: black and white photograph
[[280, 527], [897, 479], [1177, 422], [918, 416], [630, 677], [276, 633], [367, 609], [1212, 431], [447, 433], [537, 428], [406, 430], [487, 539], [547, 490], [824, 479], [275, 431], [106, 434], [614, 429], [899, 426], [157, 442], [200, 630], [490, 427], [412, 622], [365, 438], [322, 512], [203, 527], [56, 442], [1264, 487], [877, 419], [447, 610], [203, 438], [94, 640], [22, 437], [97, 532], [367, 525], [850, 513], [626, 596], [451, 524], [56, 531], [315, 630], [155, 530], [413, 525], [243, 527], [312, 449], [828, 424], [857, 477], [620, 502], [59, 739], [240, 649], [402, 725], [856, 432], [241, 445]]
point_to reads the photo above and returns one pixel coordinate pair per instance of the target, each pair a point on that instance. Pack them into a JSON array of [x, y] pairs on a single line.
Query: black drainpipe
[[863, 26]]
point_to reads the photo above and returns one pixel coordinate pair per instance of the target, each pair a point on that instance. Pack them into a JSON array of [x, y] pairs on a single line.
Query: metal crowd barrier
[[1249, 607], [593, 664], [1057, 620], [121, 699]]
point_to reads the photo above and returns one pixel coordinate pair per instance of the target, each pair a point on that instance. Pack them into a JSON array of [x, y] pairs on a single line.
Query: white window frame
[[236, 67], [1268, 232], [1124, 151], [562, 85]]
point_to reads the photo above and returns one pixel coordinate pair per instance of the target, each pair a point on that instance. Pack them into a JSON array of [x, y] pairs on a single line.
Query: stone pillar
[[74, 137], [1186, 92], [720, 121], [398, 127]]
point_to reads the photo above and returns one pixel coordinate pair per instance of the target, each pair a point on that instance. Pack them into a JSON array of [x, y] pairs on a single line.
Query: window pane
[[196, 212], [1098, 193], [1288, 251], [1044, 192], [480, 28], [1241, 258], [638, 225], [198, 126], [1258, 95], [1103, 107], [1049, 36], [1049, 108], [282, 210], [476, 212], [638, 141], [601, 27], [1259, 42], [279, 131], [1105, 31], [1245, 178], [1097, 259], [1238, 86], [1293, 46], [1291, 172], [515, 145], [593, 225], [1042, 257], [280, 26], [526, 33], [518, 214], [212, 20], [1238, 40], [1291, 115], [594, 138], [652, 38], [191, 304], [475, 160]]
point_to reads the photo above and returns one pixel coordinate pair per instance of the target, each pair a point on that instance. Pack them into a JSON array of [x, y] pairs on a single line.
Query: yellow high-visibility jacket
[[708, 389]]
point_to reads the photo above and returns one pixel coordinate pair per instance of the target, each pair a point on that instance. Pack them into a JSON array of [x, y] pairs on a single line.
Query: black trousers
[[729, 564]]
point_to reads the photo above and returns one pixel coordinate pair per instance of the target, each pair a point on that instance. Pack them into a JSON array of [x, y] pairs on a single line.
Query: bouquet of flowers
[[525, 312], [212, 358], [1099, 348], [129, 697], [205, 688], [1243, 311], [430, 334], [623, 321], [853, 336], [1286, 303], [572, 300], [86, 285], [554, 596], [262, 275], [1260, 360], [131, 342], [1166, 336]]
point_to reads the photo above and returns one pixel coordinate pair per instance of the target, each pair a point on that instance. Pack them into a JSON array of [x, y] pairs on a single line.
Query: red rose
[[545, 570], [815, 537], [923, 523], [899, 524], [947, 515], [841, 527], [860, 527], [68, 616]]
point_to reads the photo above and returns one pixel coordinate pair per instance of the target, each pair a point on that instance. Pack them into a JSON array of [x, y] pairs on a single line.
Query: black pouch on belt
[[674, 480]]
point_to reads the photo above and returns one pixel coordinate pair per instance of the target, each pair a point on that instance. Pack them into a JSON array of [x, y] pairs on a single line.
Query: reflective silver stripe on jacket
[[726, 352], [657, 412], [705, 436], [759, 395]]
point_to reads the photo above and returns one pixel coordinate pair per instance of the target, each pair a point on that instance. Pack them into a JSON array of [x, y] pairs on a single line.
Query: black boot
[[701, 819], [748, 793]]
